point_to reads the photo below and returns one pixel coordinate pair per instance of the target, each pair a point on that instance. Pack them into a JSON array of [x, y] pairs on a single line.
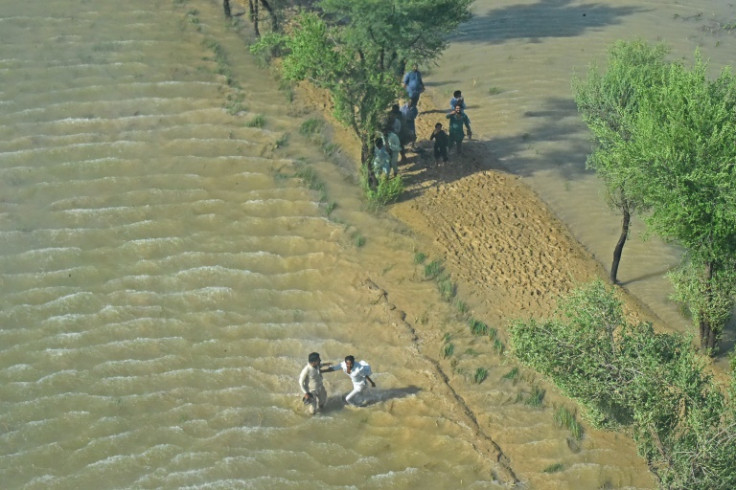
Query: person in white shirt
[[310, 381], [359, 373]]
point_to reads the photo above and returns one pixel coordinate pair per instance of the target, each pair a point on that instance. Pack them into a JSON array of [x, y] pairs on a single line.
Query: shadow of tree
[[546, 18]]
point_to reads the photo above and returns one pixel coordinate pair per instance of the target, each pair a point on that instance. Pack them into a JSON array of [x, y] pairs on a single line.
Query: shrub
[[386, 191], [628, 376]]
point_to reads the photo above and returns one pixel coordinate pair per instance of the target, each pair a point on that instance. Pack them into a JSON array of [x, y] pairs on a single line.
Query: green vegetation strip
[[629, 377]]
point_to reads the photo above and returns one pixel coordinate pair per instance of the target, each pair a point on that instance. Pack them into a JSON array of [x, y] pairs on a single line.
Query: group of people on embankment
[[399, 129]]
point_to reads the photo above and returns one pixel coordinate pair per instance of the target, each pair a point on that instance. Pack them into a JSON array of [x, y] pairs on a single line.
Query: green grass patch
[[433, 269], [358, 240], [494, 91], [498, 346], [480, 375], [554, 468], [477, 327], [419, 257], [564, 418], [512, 375], [258, 121], [535, 397], [462, 307], [311, 126], [447, 288], [448, 349]]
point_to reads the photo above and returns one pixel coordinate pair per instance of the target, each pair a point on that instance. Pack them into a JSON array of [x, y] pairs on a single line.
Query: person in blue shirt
[[457, 98], [413, 84], [410, 112]]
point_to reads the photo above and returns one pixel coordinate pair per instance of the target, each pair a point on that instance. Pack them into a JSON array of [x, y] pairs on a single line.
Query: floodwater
[[165, 274]]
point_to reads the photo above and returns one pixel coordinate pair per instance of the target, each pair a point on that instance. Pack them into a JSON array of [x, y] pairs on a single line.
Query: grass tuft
[[536, 397], [258, 121], [554, 468], [433, 269], [448, 350], [512, 375], [564, 418], [477, 327]]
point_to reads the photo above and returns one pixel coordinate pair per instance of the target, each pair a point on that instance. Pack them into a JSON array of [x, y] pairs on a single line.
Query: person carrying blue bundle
[[359, 373]]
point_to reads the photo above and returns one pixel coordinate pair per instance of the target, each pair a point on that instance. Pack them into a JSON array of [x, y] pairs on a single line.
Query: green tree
[[607, 102], [357, 49], [683, 147], [628, 376]]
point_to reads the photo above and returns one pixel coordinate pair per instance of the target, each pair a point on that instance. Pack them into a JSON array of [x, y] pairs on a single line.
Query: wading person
[[413, 84], [458, 119], [310, 382], [441, 142], [359, 373]]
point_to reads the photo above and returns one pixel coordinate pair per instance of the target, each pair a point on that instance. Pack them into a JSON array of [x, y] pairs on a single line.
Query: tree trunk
[[272, 14], [226, 6], [365, 160], [707, 335], [621, 242], [253, 11]]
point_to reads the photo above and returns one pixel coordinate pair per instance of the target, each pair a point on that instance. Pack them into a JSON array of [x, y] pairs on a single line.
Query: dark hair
[[457, 93], [459, 105], [395, 108], [379, 143], [350, 358], [314, 357], [438, 125]]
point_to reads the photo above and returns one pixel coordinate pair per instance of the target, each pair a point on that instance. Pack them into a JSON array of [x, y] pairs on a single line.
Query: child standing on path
[[440, 144]]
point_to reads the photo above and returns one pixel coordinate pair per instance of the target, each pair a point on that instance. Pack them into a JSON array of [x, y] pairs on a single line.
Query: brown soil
[[500, 242]]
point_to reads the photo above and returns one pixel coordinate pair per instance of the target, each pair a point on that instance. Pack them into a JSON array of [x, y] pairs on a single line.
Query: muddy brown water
[[164, 278]]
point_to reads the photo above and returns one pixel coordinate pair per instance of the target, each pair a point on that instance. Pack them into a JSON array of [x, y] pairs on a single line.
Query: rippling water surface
[[162, 285], [164, 277]]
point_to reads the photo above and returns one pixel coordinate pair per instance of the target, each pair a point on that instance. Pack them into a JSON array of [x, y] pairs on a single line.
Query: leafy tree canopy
[[685, 151]]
